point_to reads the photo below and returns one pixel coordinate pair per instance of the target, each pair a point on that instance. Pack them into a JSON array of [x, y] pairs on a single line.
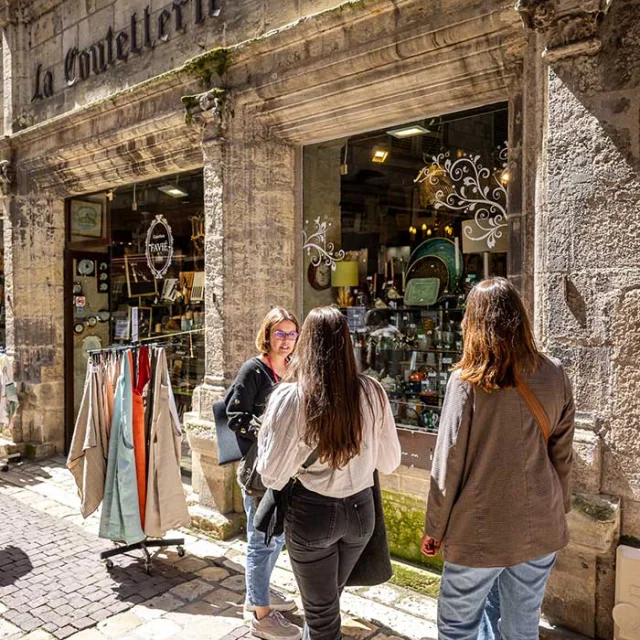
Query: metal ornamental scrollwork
[[466, 185], [323, 251]]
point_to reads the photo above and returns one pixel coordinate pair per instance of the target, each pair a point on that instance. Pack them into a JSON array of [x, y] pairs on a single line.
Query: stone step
[[549, 632]]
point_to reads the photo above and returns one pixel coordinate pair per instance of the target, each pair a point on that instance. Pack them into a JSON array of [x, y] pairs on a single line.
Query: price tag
[[447, 360], [432, 374]]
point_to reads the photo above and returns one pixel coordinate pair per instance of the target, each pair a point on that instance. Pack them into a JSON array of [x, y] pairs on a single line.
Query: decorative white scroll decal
[[466, 185], [317, 242]]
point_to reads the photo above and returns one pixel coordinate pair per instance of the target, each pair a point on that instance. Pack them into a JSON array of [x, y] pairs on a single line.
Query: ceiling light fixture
[[380, 154], [173, 190], [409, 131]]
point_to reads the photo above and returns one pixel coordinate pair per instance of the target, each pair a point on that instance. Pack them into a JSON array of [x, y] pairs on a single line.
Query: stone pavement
[[53, 584]]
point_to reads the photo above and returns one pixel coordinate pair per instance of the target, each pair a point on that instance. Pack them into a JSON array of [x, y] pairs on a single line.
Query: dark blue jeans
[[325, 537]]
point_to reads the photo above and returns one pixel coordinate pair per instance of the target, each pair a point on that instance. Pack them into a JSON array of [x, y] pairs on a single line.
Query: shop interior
[[135, 268], [399, 224]]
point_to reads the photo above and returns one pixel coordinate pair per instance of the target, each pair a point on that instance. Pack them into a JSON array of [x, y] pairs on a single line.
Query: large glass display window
[[399, 224], [135, 274]]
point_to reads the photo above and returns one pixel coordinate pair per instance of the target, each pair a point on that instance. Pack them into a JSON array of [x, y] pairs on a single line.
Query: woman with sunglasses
[[246, 401]]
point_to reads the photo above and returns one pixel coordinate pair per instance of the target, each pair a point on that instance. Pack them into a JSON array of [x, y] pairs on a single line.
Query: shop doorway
[[134, 274]]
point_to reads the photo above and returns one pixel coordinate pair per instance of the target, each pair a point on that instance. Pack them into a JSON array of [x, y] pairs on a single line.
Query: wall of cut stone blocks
[[588, 288], [52, 29]]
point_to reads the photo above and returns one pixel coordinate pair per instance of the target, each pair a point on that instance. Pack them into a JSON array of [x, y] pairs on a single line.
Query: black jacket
[[246, 400]]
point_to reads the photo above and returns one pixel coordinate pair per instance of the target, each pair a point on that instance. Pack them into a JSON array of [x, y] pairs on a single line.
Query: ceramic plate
[[445, 250], [430, 267]]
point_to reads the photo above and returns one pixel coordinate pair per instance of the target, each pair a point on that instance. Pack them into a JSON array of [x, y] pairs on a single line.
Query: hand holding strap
[[536, 409]]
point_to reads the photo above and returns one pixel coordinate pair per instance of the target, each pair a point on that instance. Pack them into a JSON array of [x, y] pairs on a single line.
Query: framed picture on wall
[[140, 281], [86, 219]]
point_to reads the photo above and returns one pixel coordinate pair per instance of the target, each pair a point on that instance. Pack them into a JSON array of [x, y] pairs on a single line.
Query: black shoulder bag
[[269, 517]]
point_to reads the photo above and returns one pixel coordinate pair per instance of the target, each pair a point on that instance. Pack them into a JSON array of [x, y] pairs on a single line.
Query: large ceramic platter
[[430, 267], [444, 249]]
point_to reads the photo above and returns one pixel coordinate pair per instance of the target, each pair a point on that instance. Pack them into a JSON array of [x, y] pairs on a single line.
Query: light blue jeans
[[464, 592], [261, 558], [491, 616]]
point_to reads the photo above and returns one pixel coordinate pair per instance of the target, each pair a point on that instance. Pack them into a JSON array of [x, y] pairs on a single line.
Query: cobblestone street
[[54, 585]]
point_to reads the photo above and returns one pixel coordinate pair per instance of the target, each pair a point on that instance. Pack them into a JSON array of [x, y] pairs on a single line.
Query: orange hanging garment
[[139, 447]]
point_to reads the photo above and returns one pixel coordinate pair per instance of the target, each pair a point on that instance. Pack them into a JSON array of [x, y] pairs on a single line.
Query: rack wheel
[[181, 552], [147, 568], [4, 468], [108, 564]]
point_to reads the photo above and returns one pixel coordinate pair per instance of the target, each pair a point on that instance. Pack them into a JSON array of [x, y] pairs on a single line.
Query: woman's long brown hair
[[498, 341], [325, 368]]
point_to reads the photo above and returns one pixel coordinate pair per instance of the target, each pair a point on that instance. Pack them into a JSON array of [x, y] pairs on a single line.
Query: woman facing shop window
[[246, 401]]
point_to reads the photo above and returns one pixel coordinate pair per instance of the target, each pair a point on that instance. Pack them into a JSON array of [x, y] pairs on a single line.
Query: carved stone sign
[[159, 246], [143, 33]]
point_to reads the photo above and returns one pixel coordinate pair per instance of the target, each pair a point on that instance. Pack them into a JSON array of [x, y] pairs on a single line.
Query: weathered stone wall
[[34, 286], [588, 289], [91, 49]]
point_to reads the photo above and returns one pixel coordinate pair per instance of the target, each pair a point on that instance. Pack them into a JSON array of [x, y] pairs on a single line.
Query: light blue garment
[[261, 558], [489, 627], [464, 591], [120, 518]]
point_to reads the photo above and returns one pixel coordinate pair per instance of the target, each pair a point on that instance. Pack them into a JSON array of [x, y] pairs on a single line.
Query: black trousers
[[325, 537]]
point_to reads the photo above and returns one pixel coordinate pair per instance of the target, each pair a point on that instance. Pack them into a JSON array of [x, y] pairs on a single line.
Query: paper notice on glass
[[121, 329], [134, 324]]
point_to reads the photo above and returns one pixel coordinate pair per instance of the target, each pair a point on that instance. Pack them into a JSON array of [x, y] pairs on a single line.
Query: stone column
[[250, 249], [34, 292], [587, 279]]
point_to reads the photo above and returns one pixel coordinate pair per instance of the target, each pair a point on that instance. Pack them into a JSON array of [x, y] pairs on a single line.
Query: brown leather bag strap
[[536, 409]]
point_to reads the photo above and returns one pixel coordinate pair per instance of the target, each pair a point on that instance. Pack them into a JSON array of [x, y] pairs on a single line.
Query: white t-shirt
[[282, 450]]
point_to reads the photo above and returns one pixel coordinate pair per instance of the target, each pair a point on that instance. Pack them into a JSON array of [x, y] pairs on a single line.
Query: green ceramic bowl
[[445, 250]]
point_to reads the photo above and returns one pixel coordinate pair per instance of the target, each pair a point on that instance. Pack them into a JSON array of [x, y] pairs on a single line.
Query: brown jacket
[[498, 496]]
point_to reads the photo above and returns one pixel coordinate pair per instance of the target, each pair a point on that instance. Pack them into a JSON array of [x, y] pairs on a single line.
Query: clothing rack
[[144, 342], [9, 457], [145, 545]]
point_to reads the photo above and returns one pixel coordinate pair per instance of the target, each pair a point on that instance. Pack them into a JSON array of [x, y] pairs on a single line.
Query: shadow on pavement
[[14, 563]]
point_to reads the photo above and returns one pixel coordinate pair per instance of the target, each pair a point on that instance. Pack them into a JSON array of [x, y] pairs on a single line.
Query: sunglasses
[[283, 335]]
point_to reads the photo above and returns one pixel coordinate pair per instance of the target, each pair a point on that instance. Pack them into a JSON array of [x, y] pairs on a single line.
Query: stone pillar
[[587, 280], [34, 239], [250, 244]]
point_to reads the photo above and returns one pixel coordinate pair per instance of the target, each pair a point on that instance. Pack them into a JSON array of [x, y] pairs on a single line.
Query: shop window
[[398, 226], [136, 269]]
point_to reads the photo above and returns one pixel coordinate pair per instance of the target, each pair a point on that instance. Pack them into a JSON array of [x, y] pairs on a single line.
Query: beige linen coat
[[498, 495], [87, 459], [166, 503]]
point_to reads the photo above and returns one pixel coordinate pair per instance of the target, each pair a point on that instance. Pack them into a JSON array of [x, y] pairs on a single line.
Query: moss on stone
[[404, 516], [30, 450], [204, 66], [419, 580], [599, 511]]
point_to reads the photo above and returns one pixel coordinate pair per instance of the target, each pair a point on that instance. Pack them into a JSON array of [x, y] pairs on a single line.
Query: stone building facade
[[98, 94]]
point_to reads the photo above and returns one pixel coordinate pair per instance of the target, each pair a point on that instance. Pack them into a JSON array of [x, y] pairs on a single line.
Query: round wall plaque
[[159, 246]]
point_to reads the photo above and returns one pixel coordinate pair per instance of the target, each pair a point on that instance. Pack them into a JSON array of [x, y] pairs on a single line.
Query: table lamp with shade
[[345, 276]]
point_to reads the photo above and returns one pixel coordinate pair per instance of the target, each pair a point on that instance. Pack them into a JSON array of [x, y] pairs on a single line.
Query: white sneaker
[[274, 626], [278, 602]]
